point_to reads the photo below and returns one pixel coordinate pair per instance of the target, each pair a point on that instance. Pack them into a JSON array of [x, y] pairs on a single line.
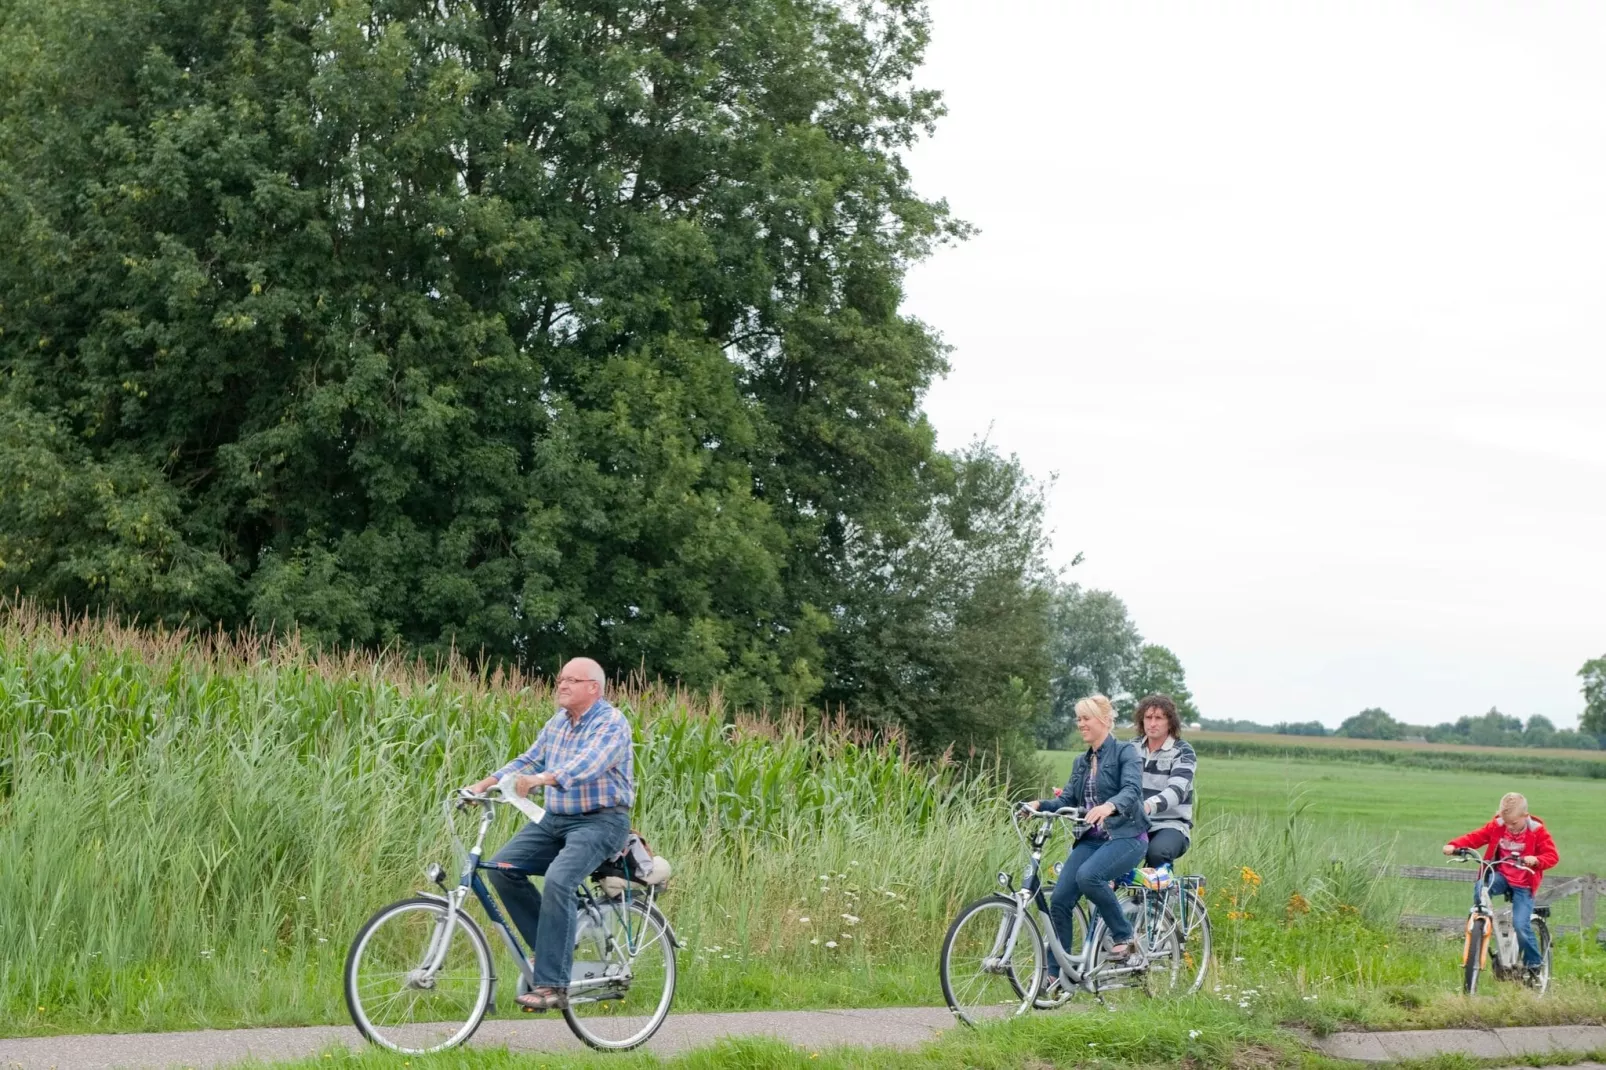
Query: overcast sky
[[1305, 306]]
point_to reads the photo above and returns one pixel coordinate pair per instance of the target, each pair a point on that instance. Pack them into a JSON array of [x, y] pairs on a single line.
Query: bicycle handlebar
[[1064, 813], [1467, 854]]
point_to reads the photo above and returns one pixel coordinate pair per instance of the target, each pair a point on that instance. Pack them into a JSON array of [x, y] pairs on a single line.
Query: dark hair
[[1162, 703]]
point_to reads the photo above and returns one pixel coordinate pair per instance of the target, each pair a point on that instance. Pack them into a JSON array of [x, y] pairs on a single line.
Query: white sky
[[1305, 305]]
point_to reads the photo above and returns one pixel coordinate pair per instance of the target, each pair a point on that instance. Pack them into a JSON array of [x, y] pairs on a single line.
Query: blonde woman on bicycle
[[1106, 781]]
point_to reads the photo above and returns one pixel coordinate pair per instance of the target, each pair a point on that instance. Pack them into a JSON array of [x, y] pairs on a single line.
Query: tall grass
[[192, 828]]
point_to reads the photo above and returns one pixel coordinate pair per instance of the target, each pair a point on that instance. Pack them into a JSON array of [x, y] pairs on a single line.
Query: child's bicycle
[[1487, 926], [420, 977]]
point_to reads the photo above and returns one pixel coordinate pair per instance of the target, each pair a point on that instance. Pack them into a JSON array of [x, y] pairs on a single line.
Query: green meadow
[[1407, 812]]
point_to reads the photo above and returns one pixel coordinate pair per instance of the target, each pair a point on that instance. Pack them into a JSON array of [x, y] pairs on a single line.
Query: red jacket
[[1496, 839]]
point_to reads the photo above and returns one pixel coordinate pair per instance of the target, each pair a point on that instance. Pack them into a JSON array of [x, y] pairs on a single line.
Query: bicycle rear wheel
[[623, 978], [395, 1001], [1164, 971], [1542, 934], [992, 960], [1195, 929]]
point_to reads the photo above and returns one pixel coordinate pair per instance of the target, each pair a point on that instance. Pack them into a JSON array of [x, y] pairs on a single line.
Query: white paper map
[[524, 803]]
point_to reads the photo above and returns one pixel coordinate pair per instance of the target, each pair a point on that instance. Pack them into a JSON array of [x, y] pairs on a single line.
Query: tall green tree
[[1593, 720], [1158, 672], [1095, 647], [945, 626], [517, 326]]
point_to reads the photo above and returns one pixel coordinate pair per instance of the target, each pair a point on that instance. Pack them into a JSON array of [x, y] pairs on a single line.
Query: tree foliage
[[519, 327], [1158, 672], [1593, 675], [1496, 729], [1372, 723], [944, 624], [1095, 646]]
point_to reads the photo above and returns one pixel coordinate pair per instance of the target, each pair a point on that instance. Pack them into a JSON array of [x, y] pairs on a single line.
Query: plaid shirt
[[592, 761]]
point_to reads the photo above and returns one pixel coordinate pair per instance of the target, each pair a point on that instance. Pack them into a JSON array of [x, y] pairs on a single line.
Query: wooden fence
[[1586, 886]]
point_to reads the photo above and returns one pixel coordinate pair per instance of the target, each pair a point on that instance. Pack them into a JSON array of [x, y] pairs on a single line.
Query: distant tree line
[[1492, 729], [1282, 728]]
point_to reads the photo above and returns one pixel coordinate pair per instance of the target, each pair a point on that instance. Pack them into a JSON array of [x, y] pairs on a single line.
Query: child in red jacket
[[1515, 835]]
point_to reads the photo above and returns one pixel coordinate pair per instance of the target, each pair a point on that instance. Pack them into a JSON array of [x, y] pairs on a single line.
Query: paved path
[[893, 1027], [1520, 1043], [898, 1027]]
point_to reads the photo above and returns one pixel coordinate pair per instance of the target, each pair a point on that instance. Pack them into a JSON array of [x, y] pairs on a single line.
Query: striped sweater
[[1168, 784]]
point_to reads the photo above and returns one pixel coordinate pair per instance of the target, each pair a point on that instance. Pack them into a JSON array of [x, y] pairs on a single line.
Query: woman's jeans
[[1522, 916], [1092, 865]]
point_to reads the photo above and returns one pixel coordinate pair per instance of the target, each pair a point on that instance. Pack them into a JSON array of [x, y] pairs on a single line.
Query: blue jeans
[[1092, 865], [566, 849], [1522, 916]]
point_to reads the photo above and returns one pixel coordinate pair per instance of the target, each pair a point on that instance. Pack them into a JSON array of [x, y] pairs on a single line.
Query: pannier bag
[[645, 866]]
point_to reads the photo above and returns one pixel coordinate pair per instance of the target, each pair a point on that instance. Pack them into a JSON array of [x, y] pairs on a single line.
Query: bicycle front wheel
[[396, 1000], [623, 978], [992, 960], [1472, 958]]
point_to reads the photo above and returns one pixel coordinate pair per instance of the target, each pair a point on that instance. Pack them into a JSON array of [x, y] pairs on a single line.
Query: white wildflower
[[1194, 1034], [850, 919], [830, 943]]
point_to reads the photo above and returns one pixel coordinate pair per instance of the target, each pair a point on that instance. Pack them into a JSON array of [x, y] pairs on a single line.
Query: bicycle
[[1003, 943], [1484, 922], [1161, 904], [419, 977]]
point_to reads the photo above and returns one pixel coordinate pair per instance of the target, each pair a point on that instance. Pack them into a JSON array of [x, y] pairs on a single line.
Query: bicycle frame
[[469, 882], [1072, 967], [1483, 907]]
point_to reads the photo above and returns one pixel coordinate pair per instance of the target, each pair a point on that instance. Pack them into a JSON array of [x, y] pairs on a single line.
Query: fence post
[[1586, 902]]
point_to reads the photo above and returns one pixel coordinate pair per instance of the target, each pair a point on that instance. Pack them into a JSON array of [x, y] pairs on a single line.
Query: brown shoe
[[544, 999]]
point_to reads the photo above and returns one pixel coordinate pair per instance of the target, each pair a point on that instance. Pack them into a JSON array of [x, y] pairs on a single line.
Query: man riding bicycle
[[1517, 836], [582, 758]]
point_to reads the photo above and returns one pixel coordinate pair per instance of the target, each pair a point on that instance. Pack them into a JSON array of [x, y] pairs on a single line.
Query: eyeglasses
[[576, 680]]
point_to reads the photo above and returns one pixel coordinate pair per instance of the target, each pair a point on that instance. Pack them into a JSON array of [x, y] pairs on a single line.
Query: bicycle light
[[435, 873], [1003, 878], [1057, 867]]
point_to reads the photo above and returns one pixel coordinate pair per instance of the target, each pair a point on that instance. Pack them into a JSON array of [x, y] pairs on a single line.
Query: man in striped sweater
[[1168, 768]]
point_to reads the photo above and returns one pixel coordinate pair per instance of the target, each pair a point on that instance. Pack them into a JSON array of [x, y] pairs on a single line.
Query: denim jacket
[[1120, 783]]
